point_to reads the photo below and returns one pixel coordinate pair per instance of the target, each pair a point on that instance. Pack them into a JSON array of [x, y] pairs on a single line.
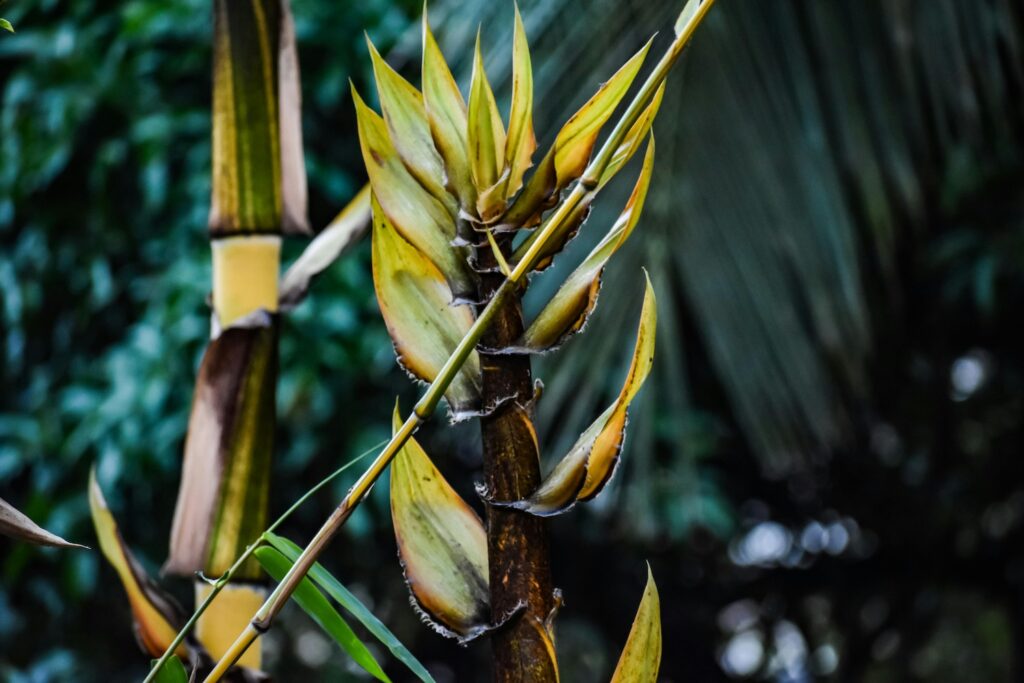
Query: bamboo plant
[[458, 230], [258, 195]]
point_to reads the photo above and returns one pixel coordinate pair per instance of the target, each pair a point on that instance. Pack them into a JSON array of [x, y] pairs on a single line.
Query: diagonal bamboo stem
[[585, 189], [220, 583]]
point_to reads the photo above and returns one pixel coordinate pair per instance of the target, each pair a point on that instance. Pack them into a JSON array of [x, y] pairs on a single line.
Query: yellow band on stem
[[226, 616], [245, 275]]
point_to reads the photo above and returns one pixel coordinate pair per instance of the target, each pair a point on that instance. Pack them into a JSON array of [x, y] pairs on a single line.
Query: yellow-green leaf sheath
[[441, 542], [250, 158], [641, 658], [156, 618], [16, 525], [446, 112], [406, 118], [486, 143], [417, 306], [521, 142], [586, 468], [222, 500], [569, 309], [414, 212]]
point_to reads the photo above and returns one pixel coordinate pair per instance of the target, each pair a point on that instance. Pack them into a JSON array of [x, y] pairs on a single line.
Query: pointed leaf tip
[[521, 142], [446, 112], [570, 308], [583, 472], [575, 142], [486, 139], [641, 657], [155, 614], [406, 118], [18, 526]]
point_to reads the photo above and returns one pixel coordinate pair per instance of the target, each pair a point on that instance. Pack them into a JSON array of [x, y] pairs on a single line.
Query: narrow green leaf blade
[[313, 602], [353, 606], [6, 25], [173, 671]]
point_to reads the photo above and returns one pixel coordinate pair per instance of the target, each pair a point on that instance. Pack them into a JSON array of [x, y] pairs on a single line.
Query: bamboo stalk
[[585, 189], [518, 555]]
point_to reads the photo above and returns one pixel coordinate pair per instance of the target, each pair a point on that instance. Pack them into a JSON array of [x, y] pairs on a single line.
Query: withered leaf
[[225, 479], [18, 526]]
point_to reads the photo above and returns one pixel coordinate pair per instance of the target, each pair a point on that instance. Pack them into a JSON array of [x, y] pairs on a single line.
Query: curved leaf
[[641, 658], [157, 617], [446, 112], [344, 597], [313, 603], [424, 324], [18, 526], [582, 473], [521, 142], [406, 118], [418, 216], [568, 311], [442, 545]]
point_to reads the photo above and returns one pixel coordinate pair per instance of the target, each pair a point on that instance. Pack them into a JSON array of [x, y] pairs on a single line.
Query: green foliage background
[[834, 230]]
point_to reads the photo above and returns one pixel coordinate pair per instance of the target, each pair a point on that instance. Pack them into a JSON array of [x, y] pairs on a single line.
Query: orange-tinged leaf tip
[[154, 613]]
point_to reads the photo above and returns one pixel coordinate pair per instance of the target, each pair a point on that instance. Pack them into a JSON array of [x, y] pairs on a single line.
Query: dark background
[[825, 471]]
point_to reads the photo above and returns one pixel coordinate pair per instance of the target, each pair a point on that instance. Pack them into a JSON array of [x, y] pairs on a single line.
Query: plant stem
[[587, 186], [517, 543]]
